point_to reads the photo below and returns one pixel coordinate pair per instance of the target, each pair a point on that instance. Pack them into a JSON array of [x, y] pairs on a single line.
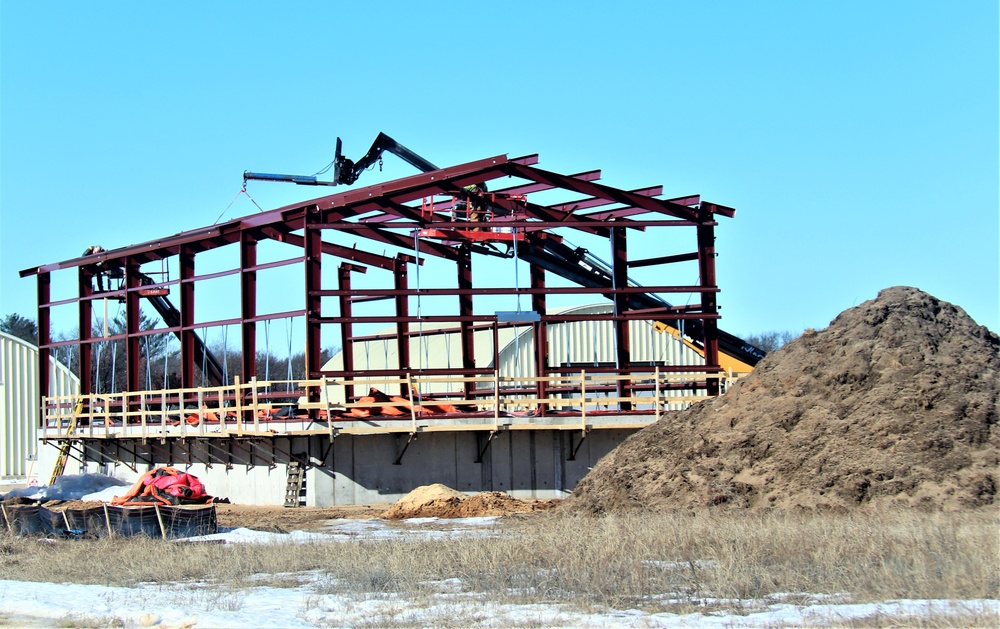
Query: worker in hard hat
[[477, 204]]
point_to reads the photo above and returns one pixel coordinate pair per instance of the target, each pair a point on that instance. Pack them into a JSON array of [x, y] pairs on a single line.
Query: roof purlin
[[602, 191]]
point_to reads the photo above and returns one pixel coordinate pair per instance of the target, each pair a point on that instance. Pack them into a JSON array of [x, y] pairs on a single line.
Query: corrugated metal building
[[576, 343], [19, 413]]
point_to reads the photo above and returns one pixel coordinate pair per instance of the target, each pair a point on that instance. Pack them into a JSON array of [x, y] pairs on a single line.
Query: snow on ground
[[311, 604], [318, 601], [343, 530]]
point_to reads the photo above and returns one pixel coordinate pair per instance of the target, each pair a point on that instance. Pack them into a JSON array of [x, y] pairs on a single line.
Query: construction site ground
[[423, 502]]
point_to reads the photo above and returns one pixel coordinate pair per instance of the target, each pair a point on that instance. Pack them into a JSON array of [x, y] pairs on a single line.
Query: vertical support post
[[44, 339], [540, 328], [346, 329], [709, 304], [465, 309], [85, 323], [400, 283], [313, 252], [248, 304], [186, 262], [133, 352], [623, 354]]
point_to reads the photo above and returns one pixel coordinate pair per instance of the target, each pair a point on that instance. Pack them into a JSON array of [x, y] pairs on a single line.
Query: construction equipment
[[346, 171], [573, 264]]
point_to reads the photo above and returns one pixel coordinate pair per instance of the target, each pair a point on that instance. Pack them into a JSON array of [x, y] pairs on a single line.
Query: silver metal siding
[[19, 413]]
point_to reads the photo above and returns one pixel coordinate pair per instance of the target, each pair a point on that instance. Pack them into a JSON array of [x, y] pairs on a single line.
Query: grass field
[[673, 562]]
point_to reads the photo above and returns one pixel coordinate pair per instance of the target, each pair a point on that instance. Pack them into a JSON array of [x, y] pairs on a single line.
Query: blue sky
[[857, 140]]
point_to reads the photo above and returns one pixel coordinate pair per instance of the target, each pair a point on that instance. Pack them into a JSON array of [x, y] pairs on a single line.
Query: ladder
[[296, 481], [66, 445]]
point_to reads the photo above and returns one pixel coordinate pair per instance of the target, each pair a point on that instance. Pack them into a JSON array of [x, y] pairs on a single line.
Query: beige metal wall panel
[[19, 401], [577, 342]]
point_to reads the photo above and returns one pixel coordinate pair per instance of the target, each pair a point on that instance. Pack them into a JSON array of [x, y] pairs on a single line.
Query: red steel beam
[[186, 264], [402, 303], [86, 323], [597, 190], [591, 202], [706, 267], [465, 309], [248, 304]]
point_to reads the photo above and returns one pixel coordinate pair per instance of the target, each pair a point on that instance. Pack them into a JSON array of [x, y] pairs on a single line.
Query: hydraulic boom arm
[[346, 171]]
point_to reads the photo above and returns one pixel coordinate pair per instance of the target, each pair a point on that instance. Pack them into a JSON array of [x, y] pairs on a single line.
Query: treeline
[[159, 356]]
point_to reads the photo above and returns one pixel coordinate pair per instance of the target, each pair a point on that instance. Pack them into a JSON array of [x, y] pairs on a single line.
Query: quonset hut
[[454, 296]]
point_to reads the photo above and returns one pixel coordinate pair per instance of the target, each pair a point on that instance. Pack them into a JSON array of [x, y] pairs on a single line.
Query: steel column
[[44, 338], [400, 282], [133, 373], [186, 263], [312, 257], [85, 323], [465, 309], [346, 331], [623, 353], [537, 275], [710, 325], [248, 303]]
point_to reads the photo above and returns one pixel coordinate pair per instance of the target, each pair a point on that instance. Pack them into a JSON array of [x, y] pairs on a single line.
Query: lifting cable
[[114, 364], [149, 374], [114, 351], [97, 375], [288, 333], [517, 292], [267, 354], [225, 355], [243, 190], [204, 354], [420, 320]]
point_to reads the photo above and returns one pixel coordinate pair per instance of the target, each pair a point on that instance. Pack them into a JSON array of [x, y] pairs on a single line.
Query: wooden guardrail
[[577, 400]]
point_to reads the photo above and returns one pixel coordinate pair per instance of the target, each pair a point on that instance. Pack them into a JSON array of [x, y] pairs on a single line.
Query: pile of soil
[[895, 403], [440, 501], [427, 501]]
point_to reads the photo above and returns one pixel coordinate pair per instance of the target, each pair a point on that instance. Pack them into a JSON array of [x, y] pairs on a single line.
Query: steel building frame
[[408, 214]]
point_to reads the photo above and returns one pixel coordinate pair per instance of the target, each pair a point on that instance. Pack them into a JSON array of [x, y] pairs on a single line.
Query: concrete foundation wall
[[361, 470]]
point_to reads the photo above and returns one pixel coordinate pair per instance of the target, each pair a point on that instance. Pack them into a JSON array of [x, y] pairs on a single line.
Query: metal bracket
[[399, 456], [489, 440], [326, 452], [574, 450]]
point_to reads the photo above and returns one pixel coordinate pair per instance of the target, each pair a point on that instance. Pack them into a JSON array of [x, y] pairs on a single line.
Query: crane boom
[[347, 171]]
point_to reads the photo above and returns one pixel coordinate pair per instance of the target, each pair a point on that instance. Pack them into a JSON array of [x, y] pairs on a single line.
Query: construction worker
[[477, 203], [94, 250]]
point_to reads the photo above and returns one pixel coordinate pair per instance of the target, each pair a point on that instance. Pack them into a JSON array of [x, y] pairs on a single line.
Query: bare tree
[[772, 340]]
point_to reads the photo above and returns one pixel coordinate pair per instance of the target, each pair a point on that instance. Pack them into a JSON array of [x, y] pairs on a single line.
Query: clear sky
[[857, 140]]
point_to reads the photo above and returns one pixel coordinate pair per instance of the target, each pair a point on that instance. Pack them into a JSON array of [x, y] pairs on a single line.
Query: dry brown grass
[[666, 562]]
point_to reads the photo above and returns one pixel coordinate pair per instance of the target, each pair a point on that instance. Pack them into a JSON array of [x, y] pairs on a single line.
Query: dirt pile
[[896, 402], [439, 501], [427, 501]]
